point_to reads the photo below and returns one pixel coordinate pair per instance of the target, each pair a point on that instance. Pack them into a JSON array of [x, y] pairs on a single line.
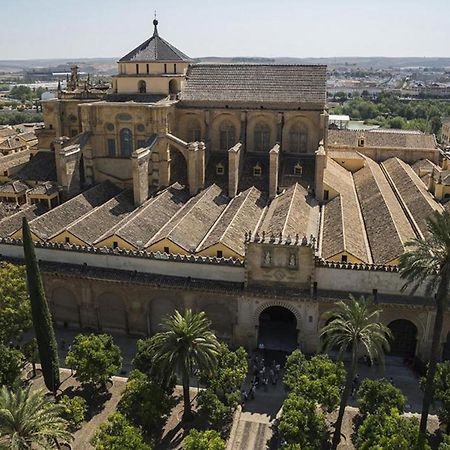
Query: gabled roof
[[255, 83], [382, 138], [155, 49]]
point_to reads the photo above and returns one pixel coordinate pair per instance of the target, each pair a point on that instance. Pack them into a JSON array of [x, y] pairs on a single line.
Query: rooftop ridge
[[191, 203]]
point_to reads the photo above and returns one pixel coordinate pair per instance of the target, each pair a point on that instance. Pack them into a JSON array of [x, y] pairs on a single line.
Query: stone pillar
[[68, 169], [139, 162], [192, 168], [324, 118], [273, 171], [59, 143], [243, 135], [280, 122], [234, 169], [321, 164], [163, 150], [201, 164]]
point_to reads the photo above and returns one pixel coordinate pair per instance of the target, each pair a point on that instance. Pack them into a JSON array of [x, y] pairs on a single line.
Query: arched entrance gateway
[[404, 341], [277, 329]]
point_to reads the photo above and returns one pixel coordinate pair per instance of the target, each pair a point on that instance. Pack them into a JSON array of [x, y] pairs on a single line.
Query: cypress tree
[[42, 320]]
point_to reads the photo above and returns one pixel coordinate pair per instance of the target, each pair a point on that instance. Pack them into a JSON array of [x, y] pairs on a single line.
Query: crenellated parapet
[[280, 239], [127, 253], [320, 262]]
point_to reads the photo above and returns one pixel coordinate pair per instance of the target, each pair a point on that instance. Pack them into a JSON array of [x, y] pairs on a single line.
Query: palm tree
[[28, 419], [187, 345], [354, 325], [427, 264]]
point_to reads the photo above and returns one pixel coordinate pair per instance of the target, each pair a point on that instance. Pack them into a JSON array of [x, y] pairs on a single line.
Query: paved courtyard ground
[[252, 426]]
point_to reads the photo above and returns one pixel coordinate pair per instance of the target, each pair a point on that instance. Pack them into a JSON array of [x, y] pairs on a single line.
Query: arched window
[[227, 135], [261, 137], [174, 87], [142, 87], [126, 142], [298, 139], [194, 130]]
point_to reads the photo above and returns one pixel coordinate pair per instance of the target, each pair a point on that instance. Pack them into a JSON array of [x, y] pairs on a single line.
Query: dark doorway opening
[[277, 329], [178, 167], [404, 338]]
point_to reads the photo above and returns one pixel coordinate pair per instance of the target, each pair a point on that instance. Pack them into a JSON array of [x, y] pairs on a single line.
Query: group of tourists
[[262, 375]]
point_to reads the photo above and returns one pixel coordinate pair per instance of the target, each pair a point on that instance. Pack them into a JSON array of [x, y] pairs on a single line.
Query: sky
[[33, 29]]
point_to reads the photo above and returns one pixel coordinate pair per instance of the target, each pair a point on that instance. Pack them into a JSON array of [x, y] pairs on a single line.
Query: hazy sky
[[297, 28]]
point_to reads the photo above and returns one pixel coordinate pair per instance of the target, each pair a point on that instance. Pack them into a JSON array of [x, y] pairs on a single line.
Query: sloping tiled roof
[[343, 226], [188, 228], [13, 222], [45, 188], [12, 143], [292, 212], [253, 83], [155, 49], [387, 226], [423, 166], [13, 160], [94, 224], [41, 167], [13, 187], [146, 221], [57, 219], [381, 138], [242, 214], [6, 132], [415, 198]]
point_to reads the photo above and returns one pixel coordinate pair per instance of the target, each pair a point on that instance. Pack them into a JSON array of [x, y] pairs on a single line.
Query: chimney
[[321, 164], [67, 161], [273, 171], [234, 162], [139, 161]]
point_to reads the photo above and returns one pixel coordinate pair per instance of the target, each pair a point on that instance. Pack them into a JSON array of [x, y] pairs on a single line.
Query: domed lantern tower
[[155, 67]]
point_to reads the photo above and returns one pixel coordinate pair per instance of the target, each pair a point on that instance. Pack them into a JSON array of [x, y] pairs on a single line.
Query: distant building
[[445, 133], [338, 122]]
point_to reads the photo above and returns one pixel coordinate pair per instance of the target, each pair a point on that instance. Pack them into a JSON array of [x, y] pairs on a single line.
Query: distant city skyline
[[286, 28]]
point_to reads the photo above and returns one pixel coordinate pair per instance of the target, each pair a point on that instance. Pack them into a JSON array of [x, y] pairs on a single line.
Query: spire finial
[[155, 24]]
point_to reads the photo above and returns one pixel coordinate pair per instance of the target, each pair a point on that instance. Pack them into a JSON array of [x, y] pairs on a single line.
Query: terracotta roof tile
[[253, 83]]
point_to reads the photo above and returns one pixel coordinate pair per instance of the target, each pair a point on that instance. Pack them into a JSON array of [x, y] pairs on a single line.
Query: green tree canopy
[[354, 325], [94, 357], [203, 440], [319, 379], [427, 264], [29, 420], [42, 319], [187, 345], [442, 392], [15, 309], [74, 411], [11, 362], [119, 434], [301, 423], [379, 396], [222, 393], [389, 432], [146, 403]]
